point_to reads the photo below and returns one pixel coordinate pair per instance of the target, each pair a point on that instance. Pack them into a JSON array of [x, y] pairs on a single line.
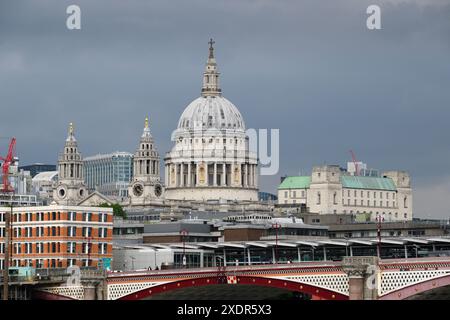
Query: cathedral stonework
[[146, 188], [70, 188], [210, 159]]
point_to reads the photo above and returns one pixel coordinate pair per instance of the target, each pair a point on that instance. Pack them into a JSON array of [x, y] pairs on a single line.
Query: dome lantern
[[211, 75]]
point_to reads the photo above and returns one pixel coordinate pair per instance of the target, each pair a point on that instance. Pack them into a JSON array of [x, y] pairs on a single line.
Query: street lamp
[[346, 246], [379, 219], [183, 234], [276, 226]]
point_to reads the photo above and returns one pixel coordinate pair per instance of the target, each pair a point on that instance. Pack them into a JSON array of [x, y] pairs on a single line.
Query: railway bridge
[[354, 278]]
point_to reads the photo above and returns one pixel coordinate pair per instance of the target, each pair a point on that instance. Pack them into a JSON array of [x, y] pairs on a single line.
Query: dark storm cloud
[[310, 68]]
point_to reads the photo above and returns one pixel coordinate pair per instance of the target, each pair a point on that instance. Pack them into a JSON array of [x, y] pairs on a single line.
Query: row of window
[[355, 193], [52, 216], [27, 232], [405, 215], [363, 203], [54, 247], [51, 263]]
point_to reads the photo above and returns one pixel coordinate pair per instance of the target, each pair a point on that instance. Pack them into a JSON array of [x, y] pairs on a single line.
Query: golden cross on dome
[[71, 129], [146, 122]]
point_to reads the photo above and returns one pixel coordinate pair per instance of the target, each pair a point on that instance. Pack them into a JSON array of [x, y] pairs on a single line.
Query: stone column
[[363, 277], [224, 173], [182, 175], [197, 173], [89, 292], [215, 174], [189, 175], [246, 175]]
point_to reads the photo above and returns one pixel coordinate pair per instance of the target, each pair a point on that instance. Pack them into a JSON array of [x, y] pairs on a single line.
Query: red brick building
[[57, 236]]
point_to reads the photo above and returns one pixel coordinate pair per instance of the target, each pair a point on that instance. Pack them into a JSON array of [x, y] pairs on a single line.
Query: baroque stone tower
[[146, 188], [70, 188]]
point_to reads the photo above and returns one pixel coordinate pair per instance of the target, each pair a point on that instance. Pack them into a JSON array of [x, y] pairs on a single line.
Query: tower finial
[[146, 122], [211, 75], [211, 48], [71, 129]]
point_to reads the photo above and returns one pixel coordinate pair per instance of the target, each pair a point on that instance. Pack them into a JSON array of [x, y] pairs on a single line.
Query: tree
[[117, 209]]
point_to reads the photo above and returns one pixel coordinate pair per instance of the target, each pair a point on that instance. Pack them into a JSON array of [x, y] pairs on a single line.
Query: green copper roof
[[299, 182], [372, 183], [352, 182]]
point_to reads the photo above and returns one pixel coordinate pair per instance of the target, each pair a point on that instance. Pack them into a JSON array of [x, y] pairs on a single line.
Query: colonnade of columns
[[211, 174], [70, 170], [146, 167]]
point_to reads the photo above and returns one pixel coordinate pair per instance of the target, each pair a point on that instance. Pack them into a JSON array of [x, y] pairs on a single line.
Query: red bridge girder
[[245, 280]]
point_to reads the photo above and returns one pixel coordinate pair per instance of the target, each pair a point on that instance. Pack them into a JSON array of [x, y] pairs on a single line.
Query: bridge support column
[[89, 292], [363, 277]]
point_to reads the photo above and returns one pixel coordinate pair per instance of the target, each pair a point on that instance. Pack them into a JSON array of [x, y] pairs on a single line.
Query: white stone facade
[[145, 188], [330, 190], [70, 188], [211, 159]]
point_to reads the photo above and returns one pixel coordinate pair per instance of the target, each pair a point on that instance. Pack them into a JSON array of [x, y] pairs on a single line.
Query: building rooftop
[[295, 182], [300, 243], [45, 176], [109, 155], [348, 181], [371, 183]]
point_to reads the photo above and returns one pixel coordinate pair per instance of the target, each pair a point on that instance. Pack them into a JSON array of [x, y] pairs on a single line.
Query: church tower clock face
[[138, 189], [62, 192], [158, 190]]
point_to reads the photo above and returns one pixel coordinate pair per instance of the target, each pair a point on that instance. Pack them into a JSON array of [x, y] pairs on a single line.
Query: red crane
[[355, 162], [7, 161]]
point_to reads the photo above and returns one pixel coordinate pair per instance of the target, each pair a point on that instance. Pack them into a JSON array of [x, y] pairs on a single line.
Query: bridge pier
[[89, 292], [363, 277]]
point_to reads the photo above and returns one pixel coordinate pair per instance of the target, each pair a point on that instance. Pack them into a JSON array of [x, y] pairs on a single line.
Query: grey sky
[[310, 68]]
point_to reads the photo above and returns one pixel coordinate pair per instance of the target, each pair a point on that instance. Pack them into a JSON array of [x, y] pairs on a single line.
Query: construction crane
[[7, 161], [7, 188], [355, 162]]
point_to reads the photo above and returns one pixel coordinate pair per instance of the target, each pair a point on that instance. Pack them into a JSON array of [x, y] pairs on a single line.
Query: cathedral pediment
[[95, 199]]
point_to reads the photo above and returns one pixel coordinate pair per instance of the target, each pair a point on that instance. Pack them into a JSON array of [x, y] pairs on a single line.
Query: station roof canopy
[[308, 243], [283, 244], [390, 241], [418, 241], [232, 245], [160, 246], [364, 242], [334, 242], [257, 244], [208, 245], [444, 240], [187, 246]]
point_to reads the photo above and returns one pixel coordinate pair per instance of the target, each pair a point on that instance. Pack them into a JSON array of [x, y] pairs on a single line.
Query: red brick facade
[[57, 236]]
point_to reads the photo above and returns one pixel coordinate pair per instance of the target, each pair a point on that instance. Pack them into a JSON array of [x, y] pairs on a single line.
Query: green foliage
[[117, 209]]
